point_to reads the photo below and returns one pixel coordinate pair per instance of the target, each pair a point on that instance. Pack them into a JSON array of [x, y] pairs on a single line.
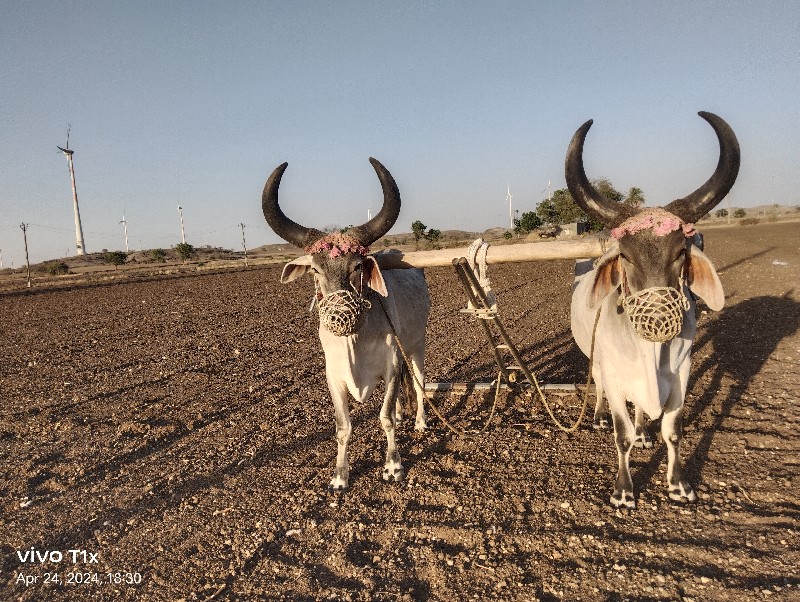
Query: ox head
[[655, 250], [339, 262]]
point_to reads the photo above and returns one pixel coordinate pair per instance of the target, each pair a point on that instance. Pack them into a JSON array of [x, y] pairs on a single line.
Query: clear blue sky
[[194, 104]]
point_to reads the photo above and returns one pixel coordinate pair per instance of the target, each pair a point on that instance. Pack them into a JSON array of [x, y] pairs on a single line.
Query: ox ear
[[294, 269], [373, 276], [606, 276], [703, 279]]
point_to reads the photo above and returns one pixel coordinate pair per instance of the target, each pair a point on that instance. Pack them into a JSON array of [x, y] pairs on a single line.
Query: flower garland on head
[[337, 245], [659, 220]]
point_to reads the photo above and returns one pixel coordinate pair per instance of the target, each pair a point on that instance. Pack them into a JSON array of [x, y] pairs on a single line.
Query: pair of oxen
[[637, 302]]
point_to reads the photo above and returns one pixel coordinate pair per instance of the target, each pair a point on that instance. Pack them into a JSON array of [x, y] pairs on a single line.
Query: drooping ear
[[606, 276], [703, 279], [373, 276], [294, 269]]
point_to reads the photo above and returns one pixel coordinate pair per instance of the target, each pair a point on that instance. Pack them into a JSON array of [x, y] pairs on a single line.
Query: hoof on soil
[[337, 484], [602, 422], [395, 474], [682, 493], [420, 425], [643, 441], [623, 499]]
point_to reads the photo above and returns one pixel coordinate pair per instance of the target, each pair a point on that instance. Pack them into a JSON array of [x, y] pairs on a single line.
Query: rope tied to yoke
[[476, 257]]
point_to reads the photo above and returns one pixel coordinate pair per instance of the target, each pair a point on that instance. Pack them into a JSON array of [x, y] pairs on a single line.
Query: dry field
[[177, 431]]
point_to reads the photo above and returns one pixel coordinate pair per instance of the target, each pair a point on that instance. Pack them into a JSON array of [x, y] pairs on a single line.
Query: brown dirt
[[179, 427]]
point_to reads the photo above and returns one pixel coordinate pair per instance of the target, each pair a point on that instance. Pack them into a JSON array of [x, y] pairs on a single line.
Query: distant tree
[[635, 197], [561, 209], [158, 255], [706, 216], [185, 251], [721, 213], [739, 213], [116, 258], [528, 222], [507, 235], [606, 188], [433, 237], [418, 228]]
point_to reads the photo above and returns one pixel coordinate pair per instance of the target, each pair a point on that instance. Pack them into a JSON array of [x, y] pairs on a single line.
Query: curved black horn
[[588, 198], [379, 225], [284, 227], [691, 208]]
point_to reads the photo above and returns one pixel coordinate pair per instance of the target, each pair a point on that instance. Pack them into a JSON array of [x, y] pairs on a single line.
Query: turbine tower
[[124, 222], [79, 246], [510, 210]]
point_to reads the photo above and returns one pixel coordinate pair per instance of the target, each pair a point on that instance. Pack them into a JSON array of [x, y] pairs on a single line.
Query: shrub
[[721, 213], [158, 255], [185, 250], [749, 221], [739, 213], [116, 258], [56, 268]]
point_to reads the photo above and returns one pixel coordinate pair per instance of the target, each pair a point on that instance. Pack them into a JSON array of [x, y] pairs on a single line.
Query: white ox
[[355, 298], [643, 288]]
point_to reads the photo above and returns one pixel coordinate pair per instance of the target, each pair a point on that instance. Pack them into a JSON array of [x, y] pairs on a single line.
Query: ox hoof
[[338, 483], [394, 473], [682, 492], [623, 499], [602, 422], [420, 425], [643, 440]]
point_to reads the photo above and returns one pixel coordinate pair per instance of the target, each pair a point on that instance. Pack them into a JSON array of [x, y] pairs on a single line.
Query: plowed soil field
[[171, 438]]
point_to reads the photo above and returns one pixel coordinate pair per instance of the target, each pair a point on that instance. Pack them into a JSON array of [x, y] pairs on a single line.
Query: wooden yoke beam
[[536, 251]]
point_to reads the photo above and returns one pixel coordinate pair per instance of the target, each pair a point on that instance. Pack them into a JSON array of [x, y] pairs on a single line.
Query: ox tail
[[409, 396]]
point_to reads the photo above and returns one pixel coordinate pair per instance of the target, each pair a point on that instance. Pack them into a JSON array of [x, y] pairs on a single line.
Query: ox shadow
[[742, 339]]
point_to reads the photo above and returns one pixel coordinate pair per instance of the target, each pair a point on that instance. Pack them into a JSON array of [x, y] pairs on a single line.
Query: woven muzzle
[[340, 312], [656, 313]]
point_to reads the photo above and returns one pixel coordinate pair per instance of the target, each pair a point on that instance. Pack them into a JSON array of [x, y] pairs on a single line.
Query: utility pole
[[1, 259], [183, 234], [244, 244], [79, 245], [24, 228], [124, 222]]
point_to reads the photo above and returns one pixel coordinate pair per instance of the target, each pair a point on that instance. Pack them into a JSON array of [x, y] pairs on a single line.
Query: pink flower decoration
[[337, 245], [660, 221]]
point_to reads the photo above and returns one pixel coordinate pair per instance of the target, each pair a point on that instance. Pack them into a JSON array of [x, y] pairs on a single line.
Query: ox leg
[[393, 468], [672, 430], [623, 437], [602, 416], [341, 473], [642, 438]]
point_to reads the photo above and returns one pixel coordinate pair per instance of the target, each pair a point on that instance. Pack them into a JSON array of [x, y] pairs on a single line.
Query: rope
[[535, 382], [476, 257]]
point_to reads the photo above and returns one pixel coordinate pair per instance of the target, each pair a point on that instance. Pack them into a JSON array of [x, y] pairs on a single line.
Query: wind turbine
[[510, 211], [124, 222], [80, 247], [547, 189]]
